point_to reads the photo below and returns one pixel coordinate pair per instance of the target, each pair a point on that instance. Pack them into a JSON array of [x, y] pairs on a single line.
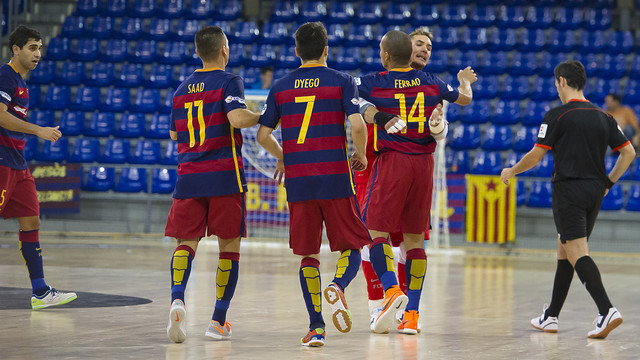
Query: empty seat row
[[195, 9], [540, 196], [130, 180]]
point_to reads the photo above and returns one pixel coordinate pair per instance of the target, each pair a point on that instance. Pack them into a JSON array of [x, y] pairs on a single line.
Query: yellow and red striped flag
[[491, 209]]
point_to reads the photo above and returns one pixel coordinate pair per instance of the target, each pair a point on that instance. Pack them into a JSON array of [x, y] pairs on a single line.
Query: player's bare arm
[[466, 77], [12, 123], [243, 118], [391, 123], [268, 141], [359, 137], [436, 122], [528, 161], [173, 135], [627, 154]]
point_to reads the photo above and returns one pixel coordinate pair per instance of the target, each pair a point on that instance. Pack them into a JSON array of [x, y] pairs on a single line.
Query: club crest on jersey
[[543, 131], [5, 95], [230, 98], [449, 87], [355, 101]]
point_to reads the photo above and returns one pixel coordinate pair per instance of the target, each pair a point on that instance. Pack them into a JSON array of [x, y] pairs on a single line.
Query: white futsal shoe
[[176, 330], [550, 324], [604, 324]]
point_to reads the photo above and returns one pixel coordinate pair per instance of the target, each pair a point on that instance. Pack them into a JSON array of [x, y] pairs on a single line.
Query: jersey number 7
[[192, 137], [419, 104], [310, 100]]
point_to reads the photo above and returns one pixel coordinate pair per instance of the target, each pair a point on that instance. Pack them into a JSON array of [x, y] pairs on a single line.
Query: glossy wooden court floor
[[475, 306]]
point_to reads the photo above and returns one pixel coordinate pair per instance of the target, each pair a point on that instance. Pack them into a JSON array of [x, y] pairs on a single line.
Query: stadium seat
[[115, 50], [492, 63], [237, 55], [481, 16], [251, 77], [101, 124], [86, 99], [57, 151], [144, 51], [186, 29], [146, 101], [525, 139], [174, 52], [130, 28], [71, 73], [132, 125], [497, 137], [477, 112], [131, 75], [44, 118], [548, 63], [438, 63], [397, 14], [132, 180], [170, 154], [591, 42], [459, 162], [597, 19], [72, 123], [502, 39], [287, 58], [58, 48], [592, 65], [87, 7], [274, 33], [144, 8], [116, 8], [159, 126], [487, 163], [184, 73], [86, 50], [614, 66], [545, 166], [446, 38], [262, 55], [30, 147], [368, 13], [102, 74], [538, 17], [523, 64], [228, 9], [473, 39], [453, 15], [568, 18], [459, 60], [159, 29], [116, 100], [116, 151], [510, 17], [453, 113], [160, 76], [486, 87], [540, 194], [372, 60], [632, 92], [85, 150], [311, 11], [633, 198], [285, 11], [335, 34], [514, 88], [618, 42], [346, 58], [340, 12], [614, 199], [597, 90], [57, 97], [200, 9], [172, 9], [544, 89], [74, 27], [506, 112], [359, 35], [102, 27], [35, 96], [533, 40], [466, 137], [100, 179], [521, 193], [534, 113], [560, 41], [146, 152], [44, 73], [163, 181], [246, 32]]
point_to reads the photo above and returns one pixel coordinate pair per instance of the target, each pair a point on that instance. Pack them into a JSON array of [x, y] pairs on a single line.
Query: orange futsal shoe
[[409, 324], [394, 300], [314, 338], [341, 314]]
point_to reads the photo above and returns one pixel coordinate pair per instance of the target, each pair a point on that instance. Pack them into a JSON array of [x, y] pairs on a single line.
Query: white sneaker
[[176, 330], [550, 324], [52, 297], [604, 324], [375, 312]]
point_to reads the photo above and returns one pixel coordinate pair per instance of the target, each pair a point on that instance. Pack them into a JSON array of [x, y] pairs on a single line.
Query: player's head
[[613, 101], [25, 44], [266, 76], [395, 49], [570, 77], [422, 41], [311, 41], [212, 45]]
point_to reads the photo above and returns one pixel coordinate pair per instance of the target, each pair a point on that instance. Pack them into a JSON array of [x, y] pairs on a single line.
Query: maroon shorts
[[18, 197], [399, 194], [345, 229], [222, 216]]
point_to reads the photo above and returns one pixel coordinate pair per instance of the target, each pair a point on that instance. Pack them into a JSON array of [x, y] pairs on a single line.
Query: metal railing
[[13, 9]]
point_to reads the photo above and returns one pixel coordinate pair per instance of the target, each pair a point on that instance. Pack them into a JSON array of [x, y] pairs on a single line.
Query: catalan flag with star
[[491, 210]]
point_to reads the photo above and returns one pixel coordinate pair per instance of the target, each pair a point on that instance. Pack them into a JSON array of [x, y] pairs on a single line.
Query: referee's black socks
[[561, 284], [590, 276]]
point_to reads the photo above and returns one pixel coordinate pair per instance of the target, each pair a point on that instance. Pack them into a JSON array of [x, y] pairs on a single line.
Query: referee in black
[[577, 133]]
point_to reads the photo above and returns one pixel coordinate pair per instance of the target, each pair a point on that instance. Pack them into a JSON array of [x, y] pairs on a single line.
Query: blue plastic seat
[[71, 73], [368, 13], [614, 66], [533, 40], [548, 62], [285, 11], [481, 16], [486, 87], [521, 193], [359, 35], [635, 64], [102, 27], [171, 9], [57, 151], [163, 181], [228, 9], [116, 8], [525, 139], [545, 166], [74, 27], [632, 92], [454, 113], [497, 137], [473, 39], [506, 112], [425, 15], [510, 17], [101, 124], [58, 48], [132, 125], [146, 101], [184, 73], [160, 76], [159, 126], [170, 154], [262, 55], [200, 9], [102, 74], [237, 55], [86, 50], [35, 96], [618, 42], [540, 194], [538, 17], [633, 198], [251, 77], [487, 163], [87, 7], [459, 162], [597, 19], [397, 14], [466, 137], [561, 41], [492, 63], [311, 11], [372, 60], [57, 97], [85, 150], [453, 15], [131, 75], [186, 29], [502, 40], [146, 152], [287, 58], [592, 65], [116, 100], [568, 18], [116, 151], [438, 63], [280, 73], [597, 91], [144, 8], [86, 99], [523, 64], [44, 118], [446, 38], [246, 32], [159, 29], [100, 179], [614, 199], [174, 52], [340, 12], [130, 28], [132, 180], [514, 88], [44, 73], [534, 112], [144, 51], [593, 42], [478, 112], [348, 58], [72, 123], [115, 50], [274, 33]]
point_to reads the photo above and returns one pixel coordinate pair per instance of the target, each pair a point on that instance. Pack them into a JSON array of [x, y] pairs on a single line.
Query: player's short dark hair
[[21, 36], [615, 97], [209, 41], [573, 71], [398, 45], [311, 39], [422, 31]]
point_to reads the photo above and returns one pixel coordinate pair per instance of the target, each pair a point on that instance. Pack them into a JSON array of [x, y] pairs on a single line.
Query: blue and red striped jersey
[[412, 95], [209, 148], [311, 103], [14, 94]]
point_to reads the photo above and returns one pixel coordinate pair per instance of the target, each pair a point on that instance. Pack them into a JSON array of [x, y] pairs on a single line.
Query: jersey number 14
[[417, 105]]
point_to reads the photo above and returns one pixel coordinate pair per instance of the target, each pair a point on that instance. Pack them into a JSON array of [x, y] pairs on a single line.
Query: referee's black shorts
[[575, 205]]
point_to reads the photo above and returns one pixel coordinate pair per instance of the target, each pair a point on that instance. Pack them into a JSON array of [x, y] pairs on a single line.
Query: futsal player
[[398, 199], [18, 198], [578, 134], [209, 198], [310, 104]]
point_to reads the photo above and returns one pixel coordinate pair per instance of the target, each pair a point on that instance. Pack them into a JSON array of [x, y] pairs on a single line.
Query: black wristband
[[382, 118], [608, 182]]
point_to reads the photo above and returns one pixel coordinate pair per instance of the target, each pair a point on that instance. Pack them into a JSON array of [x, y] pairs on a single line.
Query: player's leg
[[397, 240], [375, 290], [416, 267]]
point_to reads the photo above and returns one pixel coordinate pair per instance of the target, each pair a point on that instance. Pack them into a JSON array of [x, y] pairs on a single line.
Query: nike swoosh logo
[[20, 92], [37, 249], [177, 317]]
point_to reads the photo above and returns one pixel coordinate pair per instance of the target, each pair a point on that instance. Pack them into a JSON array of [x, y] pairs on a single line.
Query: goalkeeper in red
[[310, 104]]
